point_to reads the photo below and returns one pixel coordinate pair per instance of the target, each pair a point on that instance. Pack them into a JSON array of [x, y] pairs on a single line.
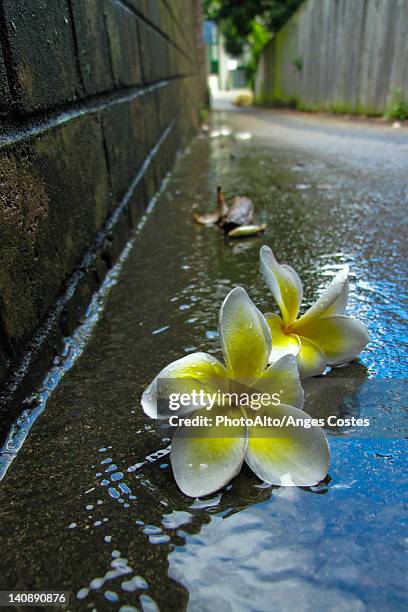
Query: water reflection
[[290, 550], [169, 521], [230, 547]]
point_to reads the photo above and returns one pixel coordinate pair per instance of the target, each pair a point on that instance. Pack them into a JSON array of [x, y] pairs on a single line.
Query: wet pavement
[[89, 504]]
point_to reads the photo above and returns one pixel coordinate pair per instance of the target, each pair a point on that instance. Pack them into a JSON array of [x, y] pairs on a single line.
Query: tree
[[249, 23]]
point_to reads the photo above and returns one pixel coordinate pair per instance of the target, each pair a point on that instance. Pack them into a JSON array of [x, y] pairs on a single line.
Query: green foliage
[[398, 108], [298, 63], [249, 23], [257, 39], [203, 115], [235, 18]]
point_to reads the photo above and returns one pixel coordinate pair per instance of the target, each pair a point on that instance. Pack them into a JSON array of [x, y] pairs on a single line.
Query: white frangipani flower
[[323, 335], [206, 458]]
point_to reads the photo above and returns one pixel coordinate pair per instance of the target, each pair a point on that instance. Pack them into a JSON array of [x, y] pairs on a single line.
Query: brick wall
[[96, 96]]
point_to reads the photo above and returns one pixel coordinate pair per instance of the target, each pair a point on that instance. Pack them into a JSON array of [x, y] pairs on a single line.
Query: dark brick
[[124, 129], [117, 238], [92, 45], [5, 99], [153, 12], [155, 55], [150, 118], [161, 56], [165, 156], [4, 365], [43, 52], [150, 182], [124, 45], [168, 102], [54, 198], [173, 10], [146, 58], [138, 202], [167, 24], [141, 6]]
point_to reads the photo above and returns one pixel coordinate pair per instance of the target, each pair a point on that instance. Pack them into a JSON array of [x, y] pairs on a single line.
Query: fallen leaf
[[241, 212], [244, 99], [242, 136], [244, 231], [217, 215], [209, 219]]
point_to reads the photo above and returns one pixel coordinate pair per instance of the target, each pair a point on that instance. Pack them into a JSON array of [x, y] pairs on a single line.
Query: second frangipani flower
[[206, 458], [323, 335]]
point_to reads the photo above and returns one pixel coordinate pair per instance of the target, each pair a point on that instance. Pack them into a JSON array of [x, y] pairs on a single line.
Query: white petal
[[245, 336], [195, 372], [282, 377], [311, 359], [333, 299], [288, 455], [284, 283], [341, 338], [282, 343], [204, 459]]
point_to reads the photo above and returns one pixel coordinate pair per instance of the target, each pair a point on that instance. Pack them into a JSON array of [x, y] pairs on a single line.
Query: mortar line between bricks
[[75, 40], [128, 7], [109, 39], [40, 337], [106, 154], [32, 127], [143, 70]]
